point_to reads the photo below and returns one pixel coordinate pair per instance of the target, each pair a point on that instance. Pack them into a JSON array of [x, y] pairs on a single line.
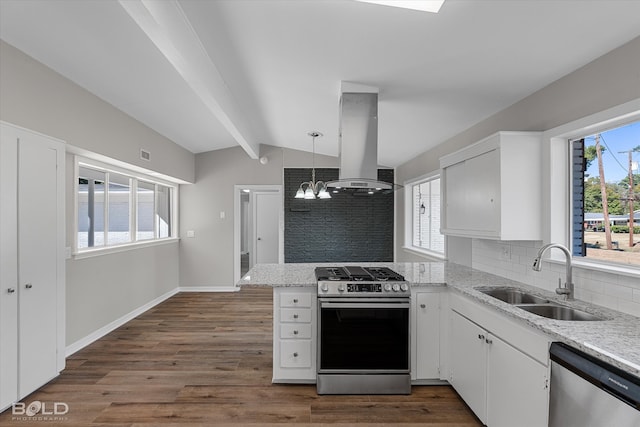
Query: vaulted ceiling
[[210, 74]]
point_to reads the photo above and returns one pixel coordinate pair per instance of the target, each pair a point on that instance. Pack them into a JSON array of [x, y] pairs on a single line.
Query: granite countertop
[[615, 340]]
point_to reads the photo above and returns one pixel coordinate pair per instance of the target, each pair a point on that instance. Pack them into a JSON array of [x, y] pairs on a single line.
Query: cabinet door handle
[[295, 316], [488, 341], [11, 290], [423, 305], [480, 336], [28, 286], [295, 354], [295, 300], [295, 332]]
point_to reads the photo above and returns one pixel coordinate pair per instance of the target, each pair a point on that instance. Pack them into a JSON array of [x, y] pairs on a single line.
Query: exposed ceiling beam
[[165, 23]]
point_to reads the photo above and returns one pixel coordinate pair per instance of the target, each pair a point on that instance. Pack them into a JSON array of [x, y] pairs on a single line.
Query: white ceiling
[[215, 74]]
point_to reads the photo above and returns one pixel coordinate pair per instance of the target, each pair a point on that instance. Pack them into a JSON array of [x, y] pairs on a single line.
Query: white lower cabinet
[[32, 268], [517, 387], [468, 374], [425, 333], [294, 335], [504, 385]]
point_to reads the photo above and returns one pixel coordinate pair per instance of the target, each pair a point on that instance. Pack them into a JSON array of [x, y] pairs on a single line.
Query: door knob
[[11, 290], [423, 306], [28, 286], [259, 238]]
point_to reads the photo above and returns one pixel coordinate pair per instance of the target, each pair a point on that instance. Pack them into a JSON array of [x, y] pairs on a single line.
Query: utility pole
[[603, 192], [630, 195]]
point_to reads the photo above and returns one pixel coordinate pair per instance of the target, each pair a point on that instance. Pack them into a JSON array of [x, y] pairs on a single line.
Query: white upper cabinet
[[492, 189]]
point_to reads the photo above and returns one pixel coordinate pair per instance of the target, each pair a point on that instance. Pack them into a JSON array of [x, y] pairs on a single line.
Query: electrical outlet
[[191, 233], [505, 252]]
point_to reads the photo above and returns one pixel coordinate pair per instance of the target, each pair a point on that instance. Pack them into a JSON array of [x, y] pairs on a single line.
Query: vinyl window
[[117, 208], [424, 223]]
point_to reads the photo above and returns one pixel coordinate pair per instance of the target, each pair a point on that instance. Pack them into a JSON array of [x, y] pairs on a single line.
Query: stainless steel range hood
[[358, 140]]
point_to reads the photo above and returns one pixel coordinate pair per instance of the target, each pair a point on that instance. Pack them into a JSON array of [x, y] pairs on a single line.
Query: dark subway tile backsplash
[[346, 228]]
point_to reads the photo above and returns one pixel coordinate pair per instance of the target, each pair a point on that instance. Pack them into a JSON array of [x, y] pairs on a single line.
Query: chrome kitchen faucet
[[567, 289]]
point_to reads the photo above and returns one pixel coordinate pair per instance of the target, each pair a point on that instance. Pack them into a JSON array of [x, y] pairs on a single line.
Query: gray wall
[[207, 259], [610, 80], [101, 289]]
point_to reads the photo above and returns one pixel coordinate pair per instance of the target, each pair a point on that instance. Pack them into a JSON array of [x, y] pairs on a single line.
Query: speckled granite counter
[[615, 340]]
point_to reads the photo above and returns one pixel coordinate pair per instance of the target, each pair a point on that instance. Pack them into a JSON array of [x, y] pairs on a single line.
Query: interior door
[[37, 260], [267, 219]]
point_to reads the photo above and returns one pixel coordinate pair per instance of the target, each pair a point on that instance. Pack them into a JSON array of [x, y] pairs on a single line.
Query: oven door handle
[[364, 305]]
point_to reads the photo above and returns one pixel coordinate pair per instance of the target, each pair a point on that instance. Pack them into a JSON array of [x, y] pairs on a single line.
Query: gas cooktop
[[358, 274], [353, 281]]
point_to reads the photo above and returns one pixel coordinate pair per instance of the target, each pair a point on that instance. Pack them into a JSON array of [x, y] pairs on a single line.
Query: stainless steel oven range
[[363, 331]]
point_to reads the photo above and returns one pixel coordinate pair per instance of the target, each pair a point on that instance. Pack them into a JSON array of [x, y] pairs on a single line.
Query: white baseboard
[[83, 342], [209, 288]]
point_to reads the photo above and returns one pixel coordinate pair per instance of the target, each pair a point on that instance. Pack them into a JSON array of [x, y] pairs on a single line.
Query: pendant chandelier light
[[312, 189]]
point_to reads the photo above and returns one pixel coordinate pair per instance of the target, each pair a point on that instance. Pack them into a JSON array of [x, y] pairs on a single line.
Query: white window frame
[[408, 217], [134, 177], [556, 206]]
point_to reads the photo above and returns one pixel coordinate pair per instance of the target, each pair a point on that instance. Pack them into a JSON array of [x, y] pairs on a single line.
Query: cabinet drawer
[[295, 354], [295, 300], [302, 331], [296, 315]]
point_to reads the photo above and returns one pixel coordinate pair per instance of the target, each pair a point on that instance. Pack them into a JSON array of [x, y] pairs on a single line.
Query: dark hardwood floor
[[205, 359]]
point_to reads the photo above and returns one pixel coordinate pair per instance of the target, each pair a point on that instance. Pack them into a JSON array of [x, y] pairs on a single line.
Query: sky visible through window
[[616, 143]]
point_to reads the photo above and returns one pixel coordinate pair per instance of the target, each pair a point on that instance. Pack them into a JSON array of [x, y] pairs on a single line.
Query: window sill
[[90, 253], [425, 253], [619, 269]]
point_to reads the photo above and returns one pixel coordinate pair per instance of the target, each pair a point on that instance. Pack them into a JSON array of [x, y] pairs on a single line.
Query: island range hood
[[358, 139]]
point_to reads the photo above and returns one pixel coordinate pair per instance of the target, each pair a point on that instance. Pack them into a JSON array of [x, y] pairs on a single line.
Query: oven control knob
[[341, 288], [324, 287], [404, 287], [387, 287], [396, 287]]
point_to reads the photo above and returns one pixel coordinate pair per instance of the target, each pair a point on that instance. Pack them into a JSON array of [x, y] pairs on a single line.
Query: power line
[[612, 153]]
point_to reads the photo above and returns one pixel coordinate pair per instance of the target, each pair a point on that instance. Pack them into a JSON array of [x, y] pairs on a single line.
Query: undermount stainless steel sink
[[536, 305], [512, 296], [558, 312]]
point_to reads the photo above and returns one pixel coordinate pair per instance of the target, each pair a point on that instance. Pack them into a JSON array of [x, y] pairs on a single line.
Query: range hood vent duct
[[358, 139]]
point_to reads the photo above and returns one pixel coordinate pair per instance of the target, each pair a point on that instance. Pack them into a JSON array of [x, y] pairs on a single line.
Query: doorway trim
[[237, 190]]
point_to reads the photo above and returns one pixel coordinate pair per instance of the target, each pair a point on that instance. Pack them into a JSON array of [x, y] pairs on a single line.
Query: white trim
[[408, 215], [113, 163], [134, 178], [425, 253], [595, 265], [556, 178], [237, 189], [106, 250], [99, 333], [209, 288]]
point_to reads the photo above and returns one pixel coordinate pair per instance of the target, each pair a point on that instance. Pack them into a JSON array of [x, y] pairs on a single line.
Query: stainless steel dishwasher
[[587, 392]]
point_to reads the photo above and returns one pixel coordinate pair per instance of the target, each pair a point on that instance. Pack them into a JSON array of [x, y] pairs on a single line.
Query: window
[[605, 184], [423, 233], [119, 214], [146, 210], [116, 208]]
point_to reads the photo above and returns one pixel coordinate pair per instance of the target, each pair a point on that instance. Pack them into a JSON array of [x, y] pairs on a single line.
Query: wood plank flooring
[[204, 359]]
